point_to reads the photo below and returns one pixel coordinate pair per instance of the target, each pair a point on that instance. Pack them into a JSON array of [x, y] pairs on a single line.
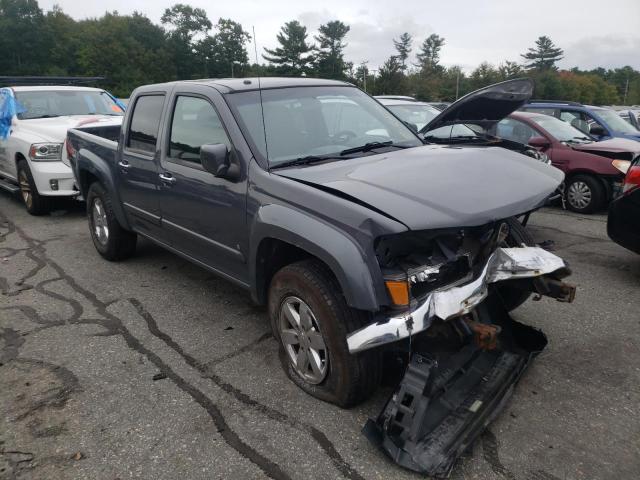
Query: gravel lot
[[155, 369]]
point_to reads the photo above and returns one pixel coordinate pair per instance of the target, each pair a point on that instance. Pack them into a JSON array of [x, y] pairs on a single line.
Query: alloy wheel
[[25, 189], [100, 224], [302, 340]]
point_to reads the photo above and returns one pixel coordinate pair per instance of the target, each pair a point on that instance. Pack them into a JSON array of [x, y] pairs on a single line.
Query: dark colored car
[[598, 122], [362, 241], [623, 223], [594, 170]]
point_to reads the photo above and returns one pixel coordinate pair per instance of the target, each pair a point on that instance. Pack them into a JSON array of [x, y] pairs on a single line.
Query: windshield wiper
[[42, 116], [306, 160], [370, 146]]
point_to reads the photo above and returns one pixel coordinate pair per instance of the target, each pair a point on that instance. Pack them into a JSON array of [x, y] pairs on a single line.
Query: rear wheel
[[584, 194], [111, 240], [35, 203], [311, 319]]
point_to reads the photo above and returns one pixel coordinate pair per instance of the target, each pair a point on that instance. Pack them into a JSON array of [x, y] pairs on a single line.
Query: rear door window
[[145, 122]]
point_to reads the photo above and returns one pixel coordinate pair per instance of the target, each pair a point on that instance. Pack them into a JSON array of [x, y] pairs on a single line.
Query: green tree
[[129, 50], [330, 61], [429, 54], [403, 47], [24, 40], [294, 55], [62, 57], [390, 78], [544, 55], [508, 69], [185, 23], [485, 74], [225, 52]]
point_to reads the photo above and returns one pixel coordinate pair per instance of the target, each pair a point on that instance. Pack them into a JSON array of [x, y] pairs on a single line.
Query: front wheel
[[584, 194], [111, 240], [35, 203], [311, 319]]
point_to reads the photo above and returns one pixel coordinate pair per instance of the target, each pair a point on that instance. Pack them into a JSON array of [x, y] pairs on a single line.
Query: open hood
[[486, 106], [437, 186]]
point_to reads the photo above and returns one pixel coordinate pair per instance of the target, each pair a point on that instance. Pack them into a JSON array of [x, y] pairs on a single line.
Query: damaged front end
[[466, 352]]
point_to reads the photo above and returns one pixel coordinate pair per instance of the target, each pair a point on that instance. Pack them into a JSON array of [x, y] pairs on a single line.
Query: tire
[[35, 203], [111, 240], [513, 297], [578, 188], [348, 379]]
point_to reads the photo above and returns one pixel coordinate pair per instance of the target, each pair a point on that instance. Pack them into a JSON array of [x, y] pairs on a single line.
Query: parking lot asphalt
[[153, 368]]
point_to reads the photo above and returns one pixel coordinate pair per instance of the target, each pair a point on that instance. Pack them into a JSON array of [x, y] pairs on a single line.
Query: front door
[[205, 216], [138, 168]]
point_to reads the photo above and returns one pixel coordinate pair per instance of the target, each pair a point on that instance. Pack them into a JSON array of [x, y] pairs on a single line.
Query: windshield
[[315, 121], [562, 131], [57, 103], [616, 123], [418, 115]]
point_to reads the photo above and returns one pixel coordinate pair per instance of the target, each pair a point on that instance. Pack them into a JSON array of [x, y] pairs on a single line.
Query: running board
[[9, 187]]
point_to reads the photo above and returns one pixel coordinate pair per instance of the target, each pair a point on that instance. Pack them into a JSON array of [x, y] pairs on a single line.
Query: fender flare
[[334, 247], [89, 163]]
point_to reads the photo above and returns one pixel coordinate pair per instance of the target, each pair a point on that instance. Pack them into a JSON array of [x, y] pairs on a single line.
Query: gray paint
[[221, 224]]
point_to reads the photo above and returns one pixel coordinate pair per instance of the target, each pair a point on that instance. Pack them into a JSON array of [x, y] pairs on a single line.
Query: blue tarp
[[9, 107]]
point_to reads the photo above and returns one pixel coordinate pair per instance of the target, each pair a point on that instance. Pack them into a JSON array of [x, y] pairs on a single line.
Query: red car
[[594, 170]]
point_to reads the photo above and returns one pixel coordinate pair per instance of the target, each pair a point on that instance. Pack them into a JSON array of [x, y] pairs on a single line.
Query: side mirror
[[215, 159], [539, 142], [597, 130]]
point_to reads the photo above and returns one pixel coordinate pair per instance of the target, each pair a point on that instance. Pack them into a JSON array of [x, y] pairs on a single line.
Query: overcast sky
[[592, 32]]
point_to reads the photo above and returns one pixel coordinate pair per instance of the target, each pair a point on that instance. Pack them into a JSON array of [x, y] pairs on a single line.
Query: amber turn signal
[[399, 292]]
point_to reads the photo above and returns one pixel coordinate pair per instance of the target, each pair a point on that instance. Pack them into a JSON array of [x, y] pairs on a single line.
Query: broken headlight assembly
[[414, 264]]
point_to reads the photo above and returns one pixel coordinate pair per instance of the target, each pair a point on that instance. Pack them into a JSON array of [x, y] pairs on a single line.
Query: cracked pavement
[[153, 368]]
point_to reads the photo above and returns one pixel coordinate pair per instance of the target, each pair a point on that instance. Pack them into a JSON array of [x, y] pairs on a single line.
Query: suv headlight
[[45, 152]]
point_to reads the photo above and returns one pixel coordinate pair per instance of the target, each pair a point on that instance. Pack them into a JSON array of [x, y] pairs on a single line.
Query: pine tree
[[330, 52], [293, 56], [429, 54], [403, 46], [544, 55]]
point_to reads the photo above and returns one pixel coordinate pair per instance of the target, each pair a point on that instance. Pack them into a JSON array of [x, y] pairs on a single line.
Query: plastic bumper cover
[[44, 172], [503, 264]]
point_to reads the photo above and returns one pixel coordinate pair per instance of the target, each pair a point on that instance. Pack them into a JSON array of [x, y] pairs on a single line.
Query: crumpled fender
[[335, 248]]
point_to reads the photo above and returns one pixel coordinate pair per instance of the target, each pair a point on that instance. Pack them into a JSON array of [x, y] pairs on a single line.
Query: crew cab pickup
[[362, 240], [32, 160]]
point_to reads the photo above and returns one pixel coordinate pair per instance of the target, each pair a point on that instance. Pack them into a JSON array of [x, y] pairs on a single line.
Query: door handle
[[124, 164], [167, 179]]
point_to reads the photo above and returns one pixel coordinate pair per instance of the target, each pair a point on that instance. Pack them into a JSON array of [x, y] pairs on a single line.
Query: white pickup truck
[[32, 154]]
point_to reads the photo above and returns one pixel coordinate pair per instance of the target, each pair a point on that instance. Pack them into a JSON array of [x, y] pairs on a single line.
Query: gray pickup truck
[[366, 244]]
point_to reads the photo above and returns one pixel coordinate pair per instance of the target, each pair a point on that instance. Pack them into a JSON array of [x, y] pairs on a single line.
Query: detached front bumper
[[503, 264], [447, 399]]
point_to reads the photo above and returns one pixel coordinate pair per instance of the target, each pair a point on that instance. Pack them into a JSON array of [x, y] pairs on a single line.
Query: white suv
[[32, 154]]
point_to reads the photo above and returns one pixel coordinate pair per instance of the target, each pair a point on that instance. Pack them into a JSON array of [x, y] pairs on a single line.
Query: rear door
[[138, 164], [204, 216]]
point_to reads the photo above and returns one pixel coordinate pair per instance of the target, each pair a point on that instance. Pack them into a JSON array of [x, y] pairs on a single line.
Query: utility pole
[[364, 74], [457, 82], [626, 90], [374, 79]]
